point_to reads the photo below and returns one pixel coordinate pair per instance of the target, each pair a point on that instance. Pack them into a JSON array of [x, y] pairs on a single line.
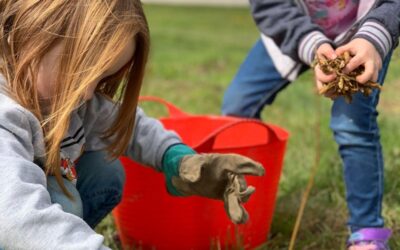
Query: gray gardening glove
[[218, 176]]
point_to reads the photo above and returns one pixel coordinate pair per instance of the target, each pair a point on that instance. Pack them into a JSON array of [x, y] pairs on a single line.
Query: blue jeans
[[354, 127], [98, 190]]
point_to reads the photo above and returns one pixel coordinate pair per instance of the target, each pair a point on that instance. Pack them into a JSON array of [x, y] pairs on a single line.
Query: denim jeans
[[354, 126], [98, 190]]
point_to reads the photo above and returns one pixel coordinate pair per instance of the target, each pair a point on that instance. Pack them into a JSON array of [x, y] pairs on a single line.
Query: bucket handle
[[173, 111], [207, 144]]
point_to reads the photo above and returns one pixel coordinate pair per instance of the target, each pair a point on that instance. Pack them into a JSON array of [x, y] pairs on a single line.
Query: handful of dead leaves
[[344, 84]]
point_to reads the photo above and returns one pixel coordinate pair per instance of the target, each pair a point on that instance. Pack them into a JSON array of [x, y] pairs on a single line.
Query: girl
[[71, 76], [293, 32]]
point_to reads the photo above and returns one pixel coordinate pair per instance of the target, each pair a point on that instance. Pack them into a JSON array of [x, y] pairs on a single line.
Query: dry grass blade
[[344, 84]]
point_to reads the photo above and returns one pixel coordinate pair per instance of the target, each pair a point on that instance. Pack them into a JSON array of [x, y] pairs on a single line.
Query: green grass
[[195, 54]]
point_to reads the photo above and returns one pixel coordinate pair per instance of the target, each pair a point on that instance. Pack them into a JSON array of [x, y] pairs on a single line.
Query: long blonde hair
[[94, 33]]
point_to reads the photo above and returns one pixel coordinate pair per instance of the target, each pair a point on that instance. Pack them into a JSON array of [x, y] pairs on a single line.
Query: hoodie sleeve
[[28, 219], [149, 140], [291, 30], [381, 26]]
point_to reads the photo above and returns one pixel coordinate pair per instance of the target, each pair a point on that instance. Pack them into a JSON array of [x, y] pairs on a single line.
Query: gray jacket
[[291, 38], [28, 219]]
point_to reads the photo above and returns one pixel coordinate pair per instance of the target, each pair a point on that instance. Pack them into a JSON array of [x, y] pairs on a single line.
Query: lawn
[[195, 54]]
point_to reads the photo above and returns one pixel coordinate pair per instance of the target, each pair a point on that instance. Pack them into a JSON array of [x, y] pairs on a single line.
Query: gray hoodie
[[28, 219]]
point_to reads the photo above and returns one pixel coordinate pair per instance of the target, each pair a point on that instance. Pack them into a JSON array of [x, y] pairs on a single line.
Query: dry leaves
[[344, 84]]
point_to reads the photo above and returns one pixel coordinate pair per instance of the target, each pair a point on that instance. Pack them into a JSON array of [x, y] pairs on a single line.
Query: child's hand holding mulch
[[344, 84]]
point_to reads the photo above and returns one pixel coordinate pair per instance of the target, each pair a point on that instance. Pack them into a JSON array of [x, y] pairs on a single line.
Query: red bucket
[[149, 218]]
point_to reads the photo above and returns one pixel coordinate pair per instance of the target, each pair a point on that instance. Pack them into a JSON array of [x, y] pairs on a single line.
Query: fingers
[[235, 163], [242, 182], [371, 69], [219, 176], [244, 196], [232, 201], [364, 54], [342, 49], [325, 50], [322, 77], [368, 73], [235, 211], [191, 166], [241, 165], [320, 87], [244, 191], [354, 63]]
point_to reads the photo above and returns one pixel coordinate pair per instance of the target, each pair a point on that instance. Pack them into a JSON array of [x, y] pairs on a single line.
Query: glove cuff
[[171, 163]]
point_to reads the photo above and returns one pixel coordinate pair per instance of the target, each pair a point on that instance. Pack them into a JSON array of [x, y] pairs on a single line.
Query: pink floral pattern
[[334, 16]]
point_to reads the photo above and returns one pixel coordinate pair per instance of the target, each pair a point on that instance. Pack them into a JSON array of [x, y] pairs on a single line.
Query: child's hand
[[364, 53], [324, 51], [219, 176]]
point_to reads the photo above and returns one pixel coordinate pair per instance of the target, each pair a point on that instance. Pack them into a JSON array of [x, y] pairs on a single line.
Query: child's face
[[47, 74]]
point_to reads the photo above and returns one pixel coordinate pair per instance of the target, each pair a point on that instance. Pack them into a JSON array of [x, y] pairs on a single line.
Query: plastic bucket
[[149, 218]]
